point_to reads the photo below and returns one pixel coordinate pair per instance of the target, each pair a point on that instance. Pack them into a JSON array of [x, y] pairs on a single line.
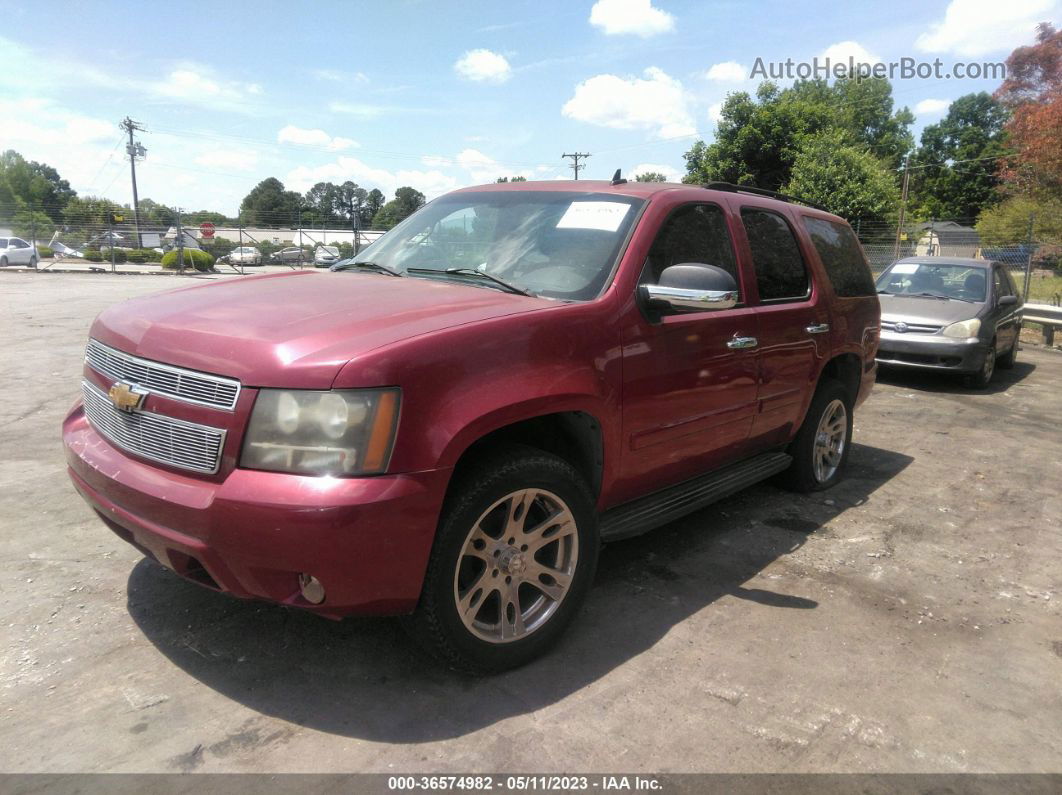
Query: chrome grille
[[163, 439], [911, 328], [174, 382]]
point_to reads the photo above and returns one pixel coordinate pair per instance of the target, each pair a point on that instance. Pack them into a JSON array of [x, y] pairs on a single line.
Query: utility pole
[[903, 206], [576, 157], [1028, 259], [180, 242], [134, 149]]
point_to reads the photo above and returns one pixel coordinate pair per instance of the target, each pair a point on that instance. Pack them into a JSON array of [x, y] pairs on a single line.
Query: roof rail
[[771, 194]]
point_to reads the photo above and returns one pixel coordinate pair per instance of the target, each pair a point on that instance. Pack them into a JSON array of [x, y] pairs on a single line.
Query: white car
[[326, 256], [16, 251], [245, 255]]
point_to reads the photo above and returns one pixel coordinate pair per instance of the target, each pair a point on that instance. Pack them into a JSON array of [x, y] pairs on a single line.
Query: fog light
[[312, 590]]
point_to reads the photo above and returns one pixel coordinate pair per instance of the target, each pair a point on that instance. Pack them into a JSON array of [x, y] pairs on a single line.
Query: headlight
[[963, 329], [343, 432]]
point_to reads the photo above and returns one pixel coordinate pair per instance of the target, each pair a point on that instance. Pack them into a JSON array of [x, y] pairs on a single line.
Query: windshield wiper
[[365, 266], [512, 288]]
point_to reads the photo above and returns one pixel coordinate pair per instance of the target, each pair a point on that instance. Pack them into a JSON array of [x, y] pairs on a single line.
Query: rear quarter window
[[842, 257]]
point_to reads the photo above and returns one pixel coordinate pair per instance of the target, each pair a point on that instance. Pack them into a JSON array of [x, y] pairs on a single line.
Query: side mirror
[[1007, 300], [691, 287]]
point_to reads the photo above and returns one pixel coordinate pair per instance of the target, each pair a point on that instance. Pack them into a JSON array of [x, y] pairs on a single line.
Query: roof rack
[[772, 194]]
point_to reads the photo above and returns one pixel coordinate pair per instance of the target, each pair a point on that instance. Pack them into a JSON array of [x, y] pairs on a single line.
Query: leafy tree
[[758, 139], [1008, 223], [32, 224], [351, 202], [1033, 92], [89, 215], [406, 202], [269, 205], [154, 214], [374, 201], [650, 176], [972, 134], [843, 178], [29, 184]]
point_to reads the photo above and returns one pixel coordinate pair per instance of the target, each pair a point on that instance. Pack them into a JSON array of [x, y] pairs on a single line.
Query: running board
[[647, 513]]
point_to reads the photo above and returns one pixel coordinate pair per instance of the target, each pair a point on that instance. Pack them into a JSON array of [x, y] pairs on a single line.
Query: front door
[[689, 380], [1006, 318]]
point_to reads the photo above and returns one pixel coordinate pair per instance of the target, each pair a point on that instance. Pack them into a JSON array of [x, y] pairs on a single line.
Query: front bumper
[[367, 540], [932, 352]]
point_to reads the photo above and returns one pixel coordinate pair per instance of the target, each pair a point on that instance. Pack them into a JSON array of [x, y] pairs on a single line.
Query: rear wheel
[[514, 557], [820, 449]]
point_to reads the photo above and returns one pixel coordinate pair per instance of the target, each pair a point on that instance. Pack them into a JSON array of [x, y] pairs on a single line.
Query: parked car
[[950, 314], [245, 255], [16, 251], [290, 254], [451, 425], [325, 256]]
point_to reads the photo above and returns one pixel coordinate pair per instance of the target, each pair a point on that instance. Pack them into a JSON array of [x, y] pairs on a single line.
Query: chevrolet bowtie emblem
[[126, 397]]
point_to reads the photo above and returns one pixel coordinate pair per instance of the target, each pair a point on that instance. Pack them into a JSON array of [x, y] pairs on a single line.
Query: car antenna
[[617, 179]]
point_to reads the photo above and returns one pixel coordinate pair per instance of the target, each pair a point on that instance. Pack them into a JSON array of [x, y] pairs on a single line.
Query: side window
[[3, 242], [842, 257], [695, 233], [1002, 286], [17, 243], [780, 271]]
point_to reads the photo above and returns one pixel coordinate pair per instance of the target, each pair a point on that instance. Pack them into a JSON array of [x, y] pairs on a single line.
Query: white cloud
[[672, 174], [196, 85], [842, 51], [715, 112], [433, 161], [315, 137], [977, 27], [337, 76], [238, 159], [932, 107], [483, 66], [432, 183], [657, 103], [483, 168], [727, 72], [639, 17]]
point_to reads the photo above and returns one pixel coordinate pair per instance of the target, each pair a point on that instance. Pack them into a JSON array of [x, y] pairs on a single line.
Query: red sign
[[206, 229]]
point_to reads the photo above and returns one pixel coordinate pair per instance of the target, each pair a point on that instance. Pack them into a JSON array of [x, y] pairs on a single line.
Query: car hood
[[294, 329], [926, 311]]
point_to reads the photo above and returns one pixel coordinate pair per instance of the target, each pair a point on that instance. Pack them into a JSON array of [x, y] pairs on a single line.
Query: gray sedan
[[949, 313]]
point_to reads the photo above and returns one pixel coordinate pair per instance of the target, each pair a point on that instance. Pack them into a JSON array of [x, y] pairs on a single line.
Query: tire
[[473, 564], [3, 262], [983, 377], [1006, 361], [820, 464], [33, 262]]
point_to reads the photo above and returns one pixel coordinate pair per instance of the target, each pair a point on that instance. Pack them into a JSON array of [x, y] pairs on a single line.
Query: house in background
[[947, 239]]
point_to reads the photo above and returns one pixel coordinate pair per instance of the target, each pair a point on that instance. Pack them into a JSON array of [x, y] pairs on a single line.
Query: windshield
[[330, 250], [553, 244], [244, 250], [947, 281]]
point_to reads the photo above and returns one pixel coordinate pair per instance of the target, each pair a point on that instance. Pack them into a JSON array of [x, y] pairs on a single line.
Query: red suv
[[450, 424]]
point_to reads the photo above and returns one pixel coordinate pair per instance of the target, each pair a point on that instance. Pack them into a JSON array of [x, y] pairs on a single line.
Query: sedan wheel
[[516, 565]]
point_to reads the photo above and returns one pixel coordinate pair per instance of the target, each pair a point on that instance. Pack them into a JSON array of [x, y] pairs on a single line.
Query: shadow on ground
[[945, 383], [363, 677]]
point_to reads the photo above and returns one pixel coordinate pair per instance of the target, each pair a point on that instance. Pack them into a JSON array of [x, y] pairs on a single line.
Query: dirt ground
[[906, 621]]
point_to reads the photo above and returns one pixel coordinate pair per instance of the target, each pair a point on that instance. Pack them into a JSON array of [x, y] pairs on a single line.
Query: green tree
[[758, 139], [374, 201], [154, 214], [32, 225], [843, 178], [86, 216], [406, 202], [29, 184], [954, 170], [269, 205], [1008, 223], [650, 176]]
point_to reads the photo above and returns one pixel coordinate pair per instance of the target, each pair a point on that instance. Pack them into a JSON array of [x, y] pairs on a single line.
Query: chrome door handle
[[821, 328], [742, 342]]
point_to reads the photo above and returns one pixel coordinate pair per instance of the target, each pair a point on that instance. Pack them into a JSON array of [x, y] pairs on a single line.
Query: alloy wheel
[[516, 565], [830, 439]]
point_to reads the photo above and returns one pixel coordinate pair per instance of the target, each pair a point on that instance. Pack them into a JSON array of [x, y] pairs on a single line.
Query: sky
[[436, 95]]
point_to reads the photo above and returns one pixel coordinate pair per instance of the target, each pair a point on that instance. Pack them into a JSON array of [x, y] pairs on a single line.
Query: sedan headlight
[[342, 432], [963, 329]]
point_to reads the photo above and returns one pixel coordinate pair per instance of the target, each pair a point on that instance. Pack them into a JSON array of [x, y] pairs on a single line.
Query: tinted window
[[3, 242], [1002, 285], [842, 257], [696, 233], [780, 271]]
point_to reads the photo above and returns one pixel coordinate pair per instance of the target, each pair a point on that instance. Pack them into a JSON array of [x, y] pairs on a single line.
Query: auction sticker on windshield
[[606, 216], [905, 267]]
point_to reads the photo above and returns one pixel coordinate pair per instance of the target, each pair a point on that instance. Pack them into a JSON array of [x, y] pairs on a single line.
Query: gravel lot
[[906, 621]]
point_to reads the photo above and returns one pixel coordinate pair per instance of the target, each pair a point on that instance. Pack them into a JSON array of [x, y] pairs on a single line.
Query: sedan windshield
[[553, 244], [933, 279]]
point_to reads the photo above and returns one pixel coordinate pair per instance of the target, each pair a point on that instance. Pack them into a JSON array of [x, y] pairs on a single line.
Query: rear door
[[689, 380], [794, 323]]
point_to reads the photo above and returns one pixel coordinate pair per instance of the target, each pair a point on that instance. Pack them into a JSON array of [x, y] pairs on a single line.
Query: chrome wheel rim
[[830, 440], [989, 367], [516, 565]]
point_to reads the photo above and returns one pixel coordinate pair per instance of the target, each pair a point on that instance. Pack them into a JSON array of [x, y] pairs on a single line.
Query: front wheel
[[820, 449], [983, 377], [513, 560]]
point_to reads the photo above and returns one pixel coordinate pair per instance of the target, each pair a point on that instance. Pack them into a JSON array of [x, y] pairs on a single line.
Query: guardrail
[[1049, 317]]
